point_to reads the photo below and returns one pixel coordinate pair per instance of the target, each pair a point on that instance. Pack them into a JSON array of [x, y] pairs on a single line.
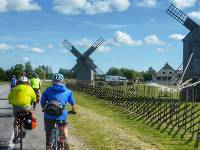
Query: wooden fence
[[172, 114]]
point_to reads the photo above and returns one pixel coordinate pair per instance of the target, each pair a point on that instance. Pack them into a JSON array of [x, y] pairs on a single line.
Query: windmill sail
[[181, 17], [94, 46]]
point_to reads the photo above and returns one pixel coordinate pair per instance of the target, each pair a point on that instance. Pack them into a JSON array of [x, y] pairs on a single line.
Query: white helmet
[[23, 79]]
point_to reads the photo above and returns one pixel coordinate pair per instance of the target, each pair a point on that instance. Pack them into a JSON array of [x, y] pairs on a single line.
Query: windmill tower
[[85, 67], [191, 44]]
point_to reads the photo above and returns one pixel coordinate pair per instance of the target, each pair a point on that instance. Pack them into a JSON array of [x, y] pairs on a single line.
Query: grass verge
[[102, 126]]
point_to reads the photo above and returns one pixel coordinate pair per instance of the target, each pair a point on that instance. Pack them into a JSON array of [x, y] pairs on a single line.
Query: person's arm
[[43, 99], [71, 101], [33, 96]]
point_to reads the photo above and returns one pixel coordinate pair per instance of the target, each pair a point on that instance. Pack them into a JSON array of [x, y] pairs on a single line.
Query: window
[[170, 72], [163, 72]]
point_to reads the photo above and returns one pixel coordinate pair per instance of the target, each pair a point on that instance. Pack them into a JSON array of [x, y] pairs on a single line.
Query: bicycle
[[20, 123], [58, 135]]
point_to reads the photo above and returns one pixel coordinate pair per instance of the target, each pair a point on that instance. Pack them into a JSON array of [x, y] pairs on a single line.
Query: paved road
[[34, 140]]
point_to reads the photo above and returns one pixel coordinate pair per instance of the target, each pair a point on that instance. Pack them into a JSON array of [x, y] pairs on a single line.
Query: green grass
[[3, 82], [102, 126]]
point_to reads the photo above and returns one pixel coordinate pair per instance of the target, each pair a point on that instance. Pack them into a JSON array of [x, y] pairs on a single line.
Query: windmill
[[191, 46], [85, 67]]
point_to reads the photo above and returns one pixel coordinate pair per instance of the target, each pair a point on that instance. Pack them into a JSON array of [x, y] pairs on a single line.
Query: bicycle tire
[[21, 138]]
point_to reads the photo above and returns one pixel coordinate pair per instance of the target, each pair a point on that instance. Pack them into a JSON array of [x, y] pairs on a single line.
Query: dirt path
[[116, 135]]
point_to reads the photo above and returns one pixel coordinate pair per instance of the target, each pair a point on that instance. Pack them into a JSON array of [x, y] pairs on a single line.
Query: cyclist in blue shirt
[[13, 82], [57, 95]]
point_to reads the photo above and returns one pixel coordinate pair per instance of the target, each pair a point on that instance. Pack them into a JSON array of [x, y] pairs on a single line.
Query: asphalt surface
[[34, 140]]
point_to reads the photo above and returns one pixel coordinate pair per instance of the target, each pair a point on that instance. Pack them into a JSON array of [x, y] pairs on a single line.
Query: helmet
[[14, 76], [58, 77], [23, 79], [35, 74]]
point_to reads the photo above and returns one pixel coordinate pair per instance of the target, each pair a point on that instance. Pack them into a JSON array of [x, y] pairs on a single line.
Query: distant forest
[[45, 72]]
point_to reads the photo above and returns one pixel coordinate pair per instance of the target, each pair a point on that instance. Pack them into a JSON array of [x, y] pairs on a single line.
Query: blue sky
[[138, 33]]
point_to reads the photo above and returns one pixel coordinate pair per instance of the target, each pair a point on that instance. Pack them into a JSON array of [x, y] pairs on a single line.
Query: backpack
[[54, 108]]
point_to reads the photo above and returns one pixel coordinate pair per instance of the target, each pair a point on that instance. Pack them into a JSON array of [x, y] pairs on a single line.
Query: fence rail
[[173, 114]]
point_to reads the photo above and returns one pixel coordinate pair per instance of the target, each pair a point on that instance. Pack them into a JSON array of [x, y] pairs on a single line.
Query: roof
[[167, 66]]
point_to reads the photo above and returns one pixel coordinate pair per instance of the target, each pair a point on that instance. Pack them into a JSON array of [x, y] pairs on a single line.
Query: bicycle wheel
[[21, 134]]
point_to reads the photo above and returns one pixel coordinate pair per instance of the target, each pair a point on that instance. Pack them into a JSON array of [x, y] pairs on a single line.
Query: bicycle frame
[[20, 128], [58, 136]]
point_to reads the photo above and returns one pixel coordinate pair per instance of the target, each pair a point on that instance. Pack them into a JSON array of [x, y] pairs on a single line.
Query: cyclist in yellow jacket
[[36, 85], [21, 98]]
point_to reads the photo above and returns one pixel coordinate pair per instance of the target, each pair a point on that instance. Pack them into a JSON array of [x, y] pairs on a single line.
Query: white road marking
[[11, 145]]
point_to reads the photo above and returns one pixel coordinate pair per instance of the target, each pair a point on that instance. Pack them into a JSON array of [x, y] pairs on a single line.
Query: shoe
[[67, 146], [24, 133], [15, 140]]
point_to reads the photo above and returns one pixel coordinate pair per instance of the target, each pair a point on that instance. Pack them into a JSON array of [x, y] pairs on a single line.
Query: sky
[[138, 33]]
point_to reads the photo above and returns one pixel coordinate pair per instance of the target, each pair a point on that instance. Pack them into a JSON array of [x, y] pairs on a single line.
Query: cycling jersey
[[22, 95], [35, 83], [60, 93]]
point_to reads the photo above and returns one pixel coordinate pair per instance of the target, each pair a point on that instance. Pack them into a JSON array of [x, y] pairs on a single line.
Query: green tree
[[9, 73], [66, 73], [41, 73], [114, 71], [48, 71], [2, 74], [28, 69], [18, 70]]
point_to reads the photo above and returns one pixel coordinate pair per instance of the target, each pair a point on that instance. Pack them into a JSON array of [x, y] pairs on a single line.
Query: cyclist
[[13, 82], [36, 85], [57, 94], [21, 97]]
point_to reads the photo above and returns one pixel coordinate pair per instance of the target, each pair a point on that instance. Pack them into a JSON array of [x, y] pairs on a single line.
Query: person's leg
[[49, 125], [66, 137]]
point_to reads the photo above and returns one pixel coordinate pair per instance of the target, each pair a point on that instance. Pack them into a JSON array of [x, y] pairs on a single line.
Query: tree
[[9, 73], [28, 69], [48, 71], [2, 74], [66, 73], [41, 73], [18, 70], [114, 71]]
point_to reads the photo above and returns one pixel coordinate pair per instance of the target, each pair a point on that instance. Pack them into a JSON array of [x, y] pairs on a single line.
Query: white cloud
[[86, 43], [25, 59], [147, 3], [5, 47], [73, 7], [22, 46], [29, 48], [153, 40], [160, 49], [122, 38], [177, 37], [19, 5], [103, 49], [184, 3], [65, 52], [195, 15], [37, 50], [49, 46]]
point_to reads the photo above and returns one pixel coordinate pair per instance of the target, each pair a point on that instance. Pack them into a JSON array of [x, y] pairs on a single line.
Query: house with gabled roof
[[167, 75]]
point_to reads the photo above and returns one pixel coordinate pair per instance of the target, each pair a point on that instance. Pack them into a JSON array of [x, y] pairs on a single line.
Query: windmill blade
[[190, 85], [186, 69], [94, 46], [181, 17], [71, 48]]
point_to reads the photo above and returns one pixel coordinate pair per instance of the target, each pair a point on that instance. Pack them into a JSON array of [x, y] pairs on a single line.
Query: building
[[167, 75]]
